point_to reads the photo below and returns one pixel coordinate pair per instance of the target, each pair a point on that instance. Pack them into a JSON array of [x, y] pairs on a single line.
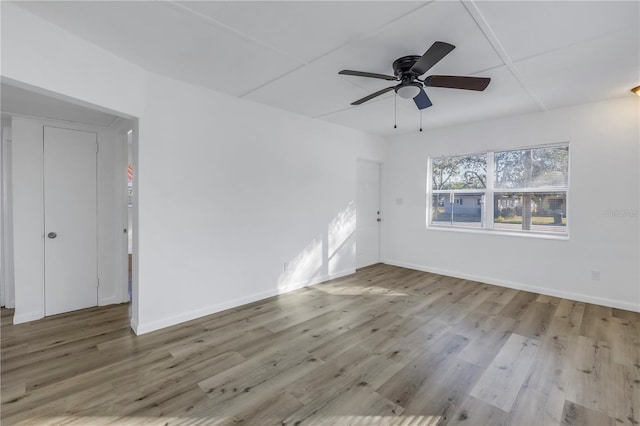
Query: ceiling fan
[[407, 69]]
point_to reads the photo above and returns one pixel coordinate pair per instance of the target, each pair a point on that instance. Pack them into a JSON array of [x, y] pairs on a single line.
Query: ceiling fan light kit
[[409, 91], [407, 71]]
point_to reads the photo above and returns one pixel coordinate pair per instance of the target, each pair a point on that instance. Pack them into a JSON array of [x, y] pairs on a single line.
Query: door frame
[[29, 294]]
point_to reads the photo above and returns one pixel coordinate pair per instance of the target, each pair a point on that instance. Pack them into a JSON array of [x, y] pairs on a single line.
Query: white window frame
[[487, 221]]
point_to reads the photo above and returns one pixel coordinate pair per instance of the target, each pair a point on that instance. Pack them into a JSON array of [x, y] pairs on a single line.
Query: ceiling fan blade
[[436, 52], [457, 82], [422, 100], [373, 95], [368, 74]]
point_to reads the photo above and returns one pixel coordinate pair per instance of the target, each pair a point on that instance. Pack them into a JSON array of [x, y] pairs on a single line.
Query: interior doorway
[[368, 214], [29, 110]]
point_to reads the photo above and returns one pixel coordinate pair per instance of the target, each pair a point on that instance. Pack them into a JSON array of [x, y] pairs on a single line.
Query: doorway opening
[[27, 113], [130, 177], [368, 213]]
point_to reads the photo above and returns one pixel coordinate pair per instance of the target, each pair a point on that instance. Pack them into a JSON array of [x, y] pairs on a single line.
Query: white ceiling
[[540, 54]]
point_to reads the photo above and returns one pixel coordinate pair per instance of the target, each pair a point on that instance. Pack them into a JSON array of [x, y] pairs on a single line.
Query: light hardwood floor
[[386, 346]]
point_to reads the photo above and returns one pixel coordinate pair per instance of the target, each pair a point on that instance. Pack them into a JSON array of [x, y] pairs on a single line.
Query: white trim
[[7, 276], [134, 326], [497, 231], [28, 317], [111, 300], [234, 303], [520, 286]]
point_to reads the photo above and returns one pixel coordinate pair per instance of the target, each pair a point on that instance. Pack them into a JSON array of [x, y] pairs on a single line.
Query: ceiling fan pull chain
[[420, 120], [395, 111]]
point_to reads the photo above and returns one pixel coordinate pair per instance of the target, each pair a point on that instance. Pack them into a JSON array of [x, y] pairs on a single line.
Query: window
[[458, 186], [521, 190]]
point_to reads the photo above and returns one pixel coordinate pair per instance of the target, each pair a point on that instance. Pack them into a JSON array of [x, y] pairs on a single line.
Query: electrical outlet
[[595, 275]]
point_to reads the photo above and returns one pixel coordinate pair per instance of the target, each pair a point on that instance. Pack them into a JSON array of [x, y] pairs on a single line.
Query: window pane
[[457, 209], [532, 168], [461, 172], [441, 209], [510, 169], [468, 210], [550, 167], [535, 211]]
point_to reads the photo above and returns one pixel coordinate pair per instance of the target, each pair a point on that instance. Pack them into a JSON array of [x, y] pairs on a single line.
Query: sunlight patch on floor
[[357, 290], [211, 421]]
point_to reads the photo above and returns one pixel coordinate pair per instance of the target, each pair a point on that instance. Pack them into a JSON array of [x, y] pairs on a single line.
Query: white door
[[368, 213], [70, 220]]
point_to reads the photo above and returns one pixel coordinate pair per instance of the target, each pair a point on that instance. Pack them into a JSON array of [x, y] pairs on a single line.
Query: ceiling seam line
[[342, 46], [248, 92], [491, 37], [229, 29], [570, 45], [370, 33]]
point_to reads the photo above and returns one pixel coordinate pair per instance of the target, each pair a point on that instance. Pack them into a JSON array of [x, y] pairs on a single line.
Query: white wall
[[38, 54], [230, 191], [28, 215], [604, 174]]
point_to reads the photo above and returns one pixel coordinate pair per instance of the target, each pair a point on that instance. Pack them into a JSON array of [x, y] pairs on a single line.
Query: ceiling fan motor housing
[[401, 67]]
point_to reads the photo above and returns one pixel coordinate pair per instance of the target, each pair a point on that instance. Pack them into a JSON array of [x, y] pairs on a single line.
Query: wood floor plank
[[535, 321], [447, 388], [592, 383], [595, 322], [355, 336], [356, 407], [518, 305], [403, 386], [482, 349], [627, 394], [500, 383], [383, 346], [500, 296], [544, 390], [474, 412], [535, 408], [577, 415]]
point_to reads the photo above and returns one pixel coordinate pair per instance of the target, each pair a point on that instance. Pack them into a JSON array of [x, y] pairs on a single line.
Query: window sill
[[544, 236]]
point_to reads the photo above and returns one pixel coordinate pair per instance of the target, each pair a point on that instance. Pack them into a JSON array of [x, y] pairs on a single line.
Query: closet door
[[70, 220]]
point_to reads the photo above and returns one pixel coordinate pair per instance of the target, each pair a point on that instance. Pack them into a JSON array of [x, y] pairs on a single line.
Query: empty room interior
[[320, 213]]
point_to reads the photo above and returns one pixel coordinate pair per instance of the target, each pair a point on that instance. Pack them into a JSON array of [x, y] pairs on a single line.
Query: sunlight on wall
[[340, 239], [329, 254], [302, 269]]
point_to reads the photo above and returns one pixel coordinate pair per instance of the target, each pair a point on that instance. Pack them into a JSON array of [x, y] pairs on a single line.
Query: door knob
[[52, 235]]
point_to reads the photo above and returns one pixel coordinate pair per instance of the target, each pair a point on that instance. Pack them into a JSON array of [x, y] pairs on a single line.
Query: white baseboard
[[108, 301], [31, 316], [628, 306], [134, 326], [218, 307]]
